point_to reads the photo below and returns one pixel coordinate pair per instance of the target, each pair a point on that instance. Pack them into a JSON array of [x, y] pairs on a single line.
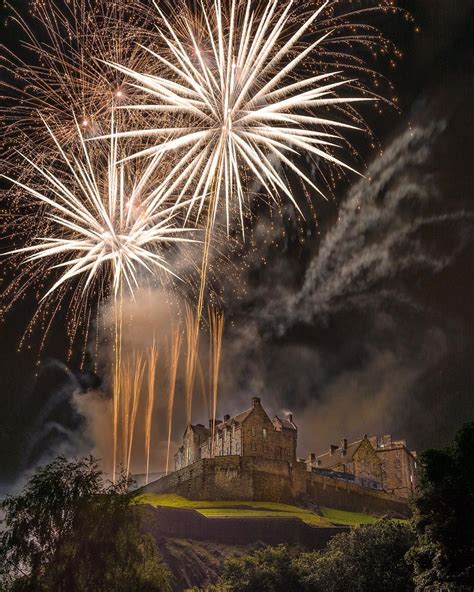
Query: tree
[[266, 570], [444, 518], [369, 558], [70, 531]]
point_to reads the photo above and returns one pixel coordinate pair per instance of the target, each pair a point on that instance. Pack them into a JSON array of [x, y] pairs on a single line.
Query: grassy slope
[[252, 509]]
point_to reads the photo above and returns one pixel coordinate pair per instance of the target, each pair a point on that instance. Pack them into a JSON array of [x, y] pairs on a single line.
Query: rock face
[[196, 563], [194, 547]]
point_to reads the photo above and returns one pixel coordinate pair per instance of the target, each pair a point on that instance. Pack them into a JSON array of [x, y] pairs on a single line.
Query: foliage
[[70, 531], [366, 559], [443, 557], [267, 570], [369, 558]]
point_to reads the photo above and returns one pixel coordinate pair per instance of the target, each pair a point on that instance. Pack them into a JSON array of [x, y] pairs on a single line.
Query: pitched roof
[[328, 460], [286, 423], [241, 417], [200, 429]]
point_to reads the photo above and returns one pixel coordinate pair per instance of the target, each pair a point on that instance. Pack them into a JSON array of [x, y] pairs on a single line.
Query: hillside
[[327, 517]]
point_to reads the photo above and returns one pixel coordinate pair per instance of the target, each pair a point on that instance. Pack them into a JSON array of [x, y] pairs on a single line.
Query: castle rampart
[[254, 479]]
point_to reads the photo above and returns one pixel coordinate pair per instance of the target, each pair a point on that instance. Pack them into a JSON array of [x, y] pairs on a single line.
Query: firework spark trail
[[192, 325], [57, 72], [174, 354], [137, 380], [152, 364], [216, 330], [121, 386]]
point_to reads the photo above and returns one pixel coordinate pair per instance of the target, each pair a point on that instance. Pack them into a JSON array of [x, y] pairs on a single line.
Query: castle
[[252, 457], [250, 433]]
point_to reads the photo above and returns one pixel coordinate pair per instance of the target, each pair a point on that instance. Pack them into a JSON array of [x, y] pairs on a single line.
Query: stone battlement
[[254, 479]]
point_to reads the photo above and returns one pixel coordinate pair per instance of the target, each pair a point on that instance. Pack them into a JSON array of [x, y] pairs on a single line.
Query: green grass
[[239, 509], [346, 518]]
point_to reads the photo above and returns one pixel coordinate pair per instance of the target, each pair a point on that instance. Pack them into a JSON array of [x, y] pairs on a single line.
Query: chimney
[[343, 446], [256, 402], [226, 417], [332, 449], [312, 458]]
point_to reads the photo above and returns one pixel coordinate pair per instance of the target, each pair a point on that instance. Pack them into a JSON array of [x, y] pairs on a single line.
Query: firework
[[252, 102], [174, 351], [152, 364], [216, 329], [236, 77], [56, 70], [192, 355], [102, 224], [100, 227]]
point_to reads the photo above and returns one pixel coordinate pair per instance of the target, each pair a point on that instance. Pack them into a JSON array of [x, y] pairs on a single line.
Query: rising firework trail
[[216, 330], [174, 352], [138, 369], [151, 384]]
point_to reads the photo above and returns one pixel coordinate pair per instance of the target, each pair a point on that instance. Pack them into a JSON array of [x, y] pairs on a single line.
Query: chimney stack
[[256, 402], [226, 417], [312, 458], [333, 448], [343, 446]]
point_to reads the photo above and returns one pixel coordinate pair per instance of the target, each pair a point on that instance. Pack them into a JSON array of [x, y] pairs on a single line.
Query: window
[[264, 432], [252, 429]]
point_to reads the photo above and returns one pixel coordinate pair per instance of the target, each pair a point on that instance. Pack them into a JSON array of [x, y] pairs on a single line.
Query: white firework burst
[[231, 76], [101, 220]]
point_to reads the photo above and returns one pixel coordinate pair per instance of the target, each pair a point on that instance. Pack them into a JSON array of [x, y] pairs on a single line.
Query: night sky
[[368, 327]]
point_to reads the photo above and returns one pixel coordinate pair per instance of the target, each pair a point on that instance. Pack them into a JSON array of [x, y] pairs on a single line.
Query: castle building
[[375, 463], [358, 459], [248, 434], [398, 465]]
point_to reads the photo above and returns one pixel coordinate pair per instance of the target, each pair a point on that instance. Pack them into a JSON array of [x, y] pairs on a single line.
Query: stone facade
[[251, 478], [398, 465], [249, 456], [248, 434], [358, 459]]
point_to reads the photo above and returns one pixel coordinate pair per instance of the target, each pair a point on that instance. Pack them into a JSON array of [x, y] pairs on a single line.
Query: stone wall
[[241, 478], [351, 497], [189, 524], [261, 439]]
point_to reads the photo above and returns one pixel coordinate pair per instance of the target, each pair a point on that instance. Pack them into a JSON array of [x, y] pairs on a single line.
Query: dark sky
[[369, 328]]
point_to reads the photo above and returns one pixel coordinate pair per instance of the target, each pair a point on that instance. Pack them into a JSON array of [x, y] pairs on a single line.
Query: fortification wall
[[352, 497], [247, 478], [189, 524]]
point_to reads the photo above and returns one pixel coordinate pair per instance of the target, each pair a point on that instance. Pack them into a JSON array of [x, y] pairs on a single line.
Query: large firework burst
[[93, 225], [238, 80]]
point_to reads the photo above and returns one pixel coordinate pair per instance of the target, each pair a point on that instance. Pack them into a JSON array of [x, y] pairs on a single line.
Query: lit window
[[264, 431]]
